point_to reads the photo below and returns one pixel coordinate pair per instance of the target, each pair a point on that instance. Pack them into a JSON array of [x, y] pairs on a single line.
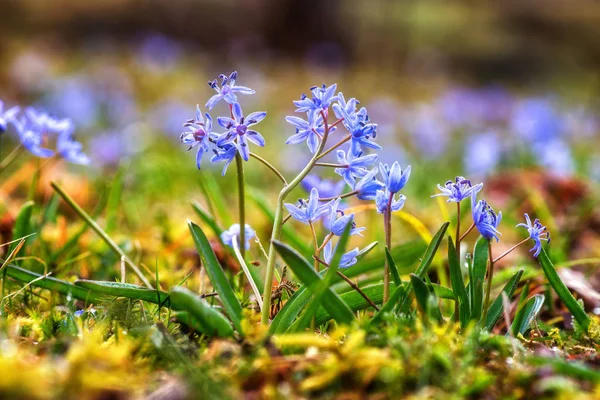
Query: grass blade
[[131, 291], [311, 279], [458, 285], [526, 314], [214, 197], [480, 259], [497, 307], [443, 292], [217, 276], [562, 291], [393, 267], [212, 320], [22, 226], [208, 220], [388, 307], [356, 302]]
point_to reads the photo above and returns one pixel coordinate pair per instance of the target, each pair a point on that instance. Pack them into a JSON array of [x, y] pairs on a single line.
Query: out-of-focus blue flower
[[385, 198], [237, 128], [69, 149], [458, 190], [348, 259], [322, 97], [107, 149], [537, 233], [309, 130], [368, 185], [482, 153], [159, 52], [7, 116], [485, 218], [429, 132], [199, 134], [224, 153], [46, 123], [337, 221], [536, 119], [354, 166], [555, 155], [327, 188], [30, 137], [357, 123], [394, 178], [227, 91], [234, 231], [310, 211]]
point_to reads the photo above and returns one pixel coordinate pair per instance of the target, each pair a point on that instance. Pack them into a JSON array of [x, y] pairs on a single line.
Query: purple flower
[[348, 259], [43, 122], [310, 211], [327, 188], [234, 231], [227, 90], [6, 116], [485, 218], [31, 138], [224, 153], [537, 120], [368, 186], [537, 232], [394, 178], [310, 130], [69, 149], [482, 153], [358, 125], [343, 108], [385, 198], [458, 190], [237, 128], [354, 166], [199, 134], [322, 97], [336, 224]]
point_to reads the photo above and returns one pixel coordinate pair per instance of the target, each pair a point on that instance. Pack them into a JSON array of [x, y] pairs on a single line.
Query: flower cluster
[[35, 128], [238, 132]]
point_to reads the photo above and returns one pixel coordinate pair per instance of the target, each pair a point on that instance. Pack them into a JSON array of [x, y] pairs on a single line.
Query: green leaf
[[212, 320], [208, 220], [443, 291], [393, 267], [217, 276], [388, 307], [311, 279], [561, 290], [480, 259], [22, 226], [526, 314], [356, 302], [497, 307], [458, 285], [131, 291], [426, 261]]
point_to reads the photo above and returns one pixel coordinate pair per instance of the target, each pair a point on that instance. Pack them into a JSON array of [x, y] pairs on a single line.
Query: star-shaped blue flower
[[310, 211], [337, 221], [224, 153], [385, 198], [310, 131], [30, 137], [394, 178], [237, 128], [70, 149], [485, 218], [368, 185], [322, 97], [357, 123], [199, 134], [458, 190], [537, 233], [354, 166], [348, 259], [227, 91]]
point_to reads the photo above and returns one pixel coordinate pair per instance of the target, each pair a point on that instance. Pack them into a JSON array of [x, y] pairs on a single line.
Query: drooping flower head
[[321, 99], [237, 130], [199, 134], [348, 259], [368, 185], [31, 137], [309, 131], [7, 116], [458, 190], [537, 233], [394, 178], [227, 91], [353, 165], [308, 211], [485, 219], [234, 232], [337, 221], [385, 198]]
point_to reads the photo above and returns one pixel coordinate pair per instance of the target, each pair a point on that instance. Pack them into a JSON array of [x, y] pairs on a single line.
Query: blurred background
[[502, 92]]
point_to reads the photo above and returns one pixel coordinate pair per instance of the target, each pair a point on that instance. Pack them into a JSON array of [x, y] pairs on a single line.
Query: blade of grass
[[497, 307], [355, 301], [128, 290], [393, 267], [214, 197], [526, 314], [22, 223], [217, 276], [480, 259], [209, 317], [100, 232], [389, 306], [114, 197], [458, 285], [208, 220]]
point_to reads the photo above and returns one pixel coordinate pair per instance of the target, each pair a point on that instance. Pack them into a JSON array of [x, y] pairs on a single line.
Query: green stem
[[241, 202], [332, 148], [387, 218], [12, 156], [486, 304], [238, 254], [316, 244], [277, 224], [343, 196], [270, 166], [332, 165], [458, 238], [507, 252]]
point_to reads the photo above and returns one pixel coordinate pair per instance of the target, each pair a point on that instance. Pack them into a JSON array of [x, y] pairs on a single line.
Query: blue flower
[[482, 154], [537, 232], [199, 134], [310, 130], [237, 128], [69, 149], [310, 211], [348, 259], [44, 122], [234, 231], [354, 165], [458, 190], [224, 153], [358, 125], [368, 186], [227, 90], [322, 97], [6, 116], [336, 225], [30, 137], [343, 108], [327, 188], [485, 218], [385, 198], [394, 178]]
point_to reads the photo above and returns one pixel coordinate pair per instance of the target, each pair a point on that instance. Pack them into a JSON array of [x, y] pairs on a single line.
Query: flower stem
[[277, 224], [464, 235], [343, 196], [238, 254], [331, 165], [241, 202], [332, 148], [507, 252], [387, 220], [486, 304], [458, 231], [270, 166], [316, 244]]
